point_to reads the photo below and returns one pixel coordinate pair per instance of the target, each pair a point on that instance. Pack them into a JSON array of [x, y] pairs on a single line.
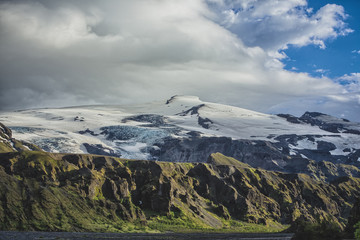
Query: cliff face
[[43, 191], [10, 144], [78, 192], [186, 129]]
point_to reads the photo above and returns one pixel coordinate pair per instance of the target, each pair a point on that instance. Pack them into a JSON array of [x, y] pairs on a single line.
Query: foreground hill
[[82, 192]]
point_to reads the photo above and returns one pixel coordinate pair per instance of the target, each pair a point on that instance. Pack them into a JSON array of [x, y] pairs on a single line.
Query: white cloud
[[58, 28], [351, 90], [356, 51], [351, 78], [274, 25], [320, 70], [58, 53]]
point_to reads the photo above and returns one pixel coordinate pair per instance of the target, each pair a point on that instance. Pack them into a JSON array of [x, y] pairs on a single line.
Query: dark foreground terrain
[[115, 236]]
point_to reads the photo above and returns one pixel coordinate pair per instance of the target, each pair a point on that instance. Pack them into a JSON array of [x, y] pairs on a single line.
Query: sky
[[272, 56]]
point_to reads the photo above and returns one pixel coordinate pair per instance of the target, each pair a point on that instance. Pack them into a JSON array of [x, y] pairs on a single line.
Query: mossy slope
[[70, 192], [80, 192]]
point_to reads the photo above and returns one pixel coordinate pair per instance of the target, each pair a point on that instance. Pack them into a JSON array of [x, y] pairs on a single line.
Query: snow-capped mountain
[[184, 128]]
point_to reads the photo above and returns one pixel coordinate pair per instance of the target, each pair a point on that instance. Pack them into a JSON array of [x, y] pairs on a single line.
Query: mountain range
[[186, 129], [199, 165]]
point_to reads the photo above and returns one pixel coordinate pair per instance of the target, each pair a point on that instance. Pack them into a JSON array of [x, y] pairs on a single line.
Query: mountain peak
[[323, 117], [313, 114], [183, 98]]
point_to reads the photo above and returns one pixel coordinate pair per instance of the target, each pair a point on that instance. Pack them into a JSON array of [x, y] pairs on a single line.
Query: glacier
[[184, 128]]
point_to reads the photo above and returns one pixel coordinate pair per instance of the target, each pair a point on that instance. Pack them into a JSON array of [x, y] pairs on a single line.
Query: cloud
[[320, 70], [53, 28], [337, 106], [356, 51], [351, 85], [60, 53], [275, 25], [353, 77]]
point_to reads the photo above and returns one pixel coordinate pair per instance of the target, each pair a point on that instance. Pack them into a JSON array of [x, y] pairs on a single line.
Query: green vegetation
[[82, 192], [4, 147], [57, 192], [175, 224], [317, 231], [220, 159], [183, 224], [357, 230]]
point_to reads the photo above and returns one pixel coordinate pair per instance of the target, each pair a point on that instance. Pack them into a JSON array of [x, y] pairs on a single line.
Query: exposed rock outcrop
[[78, 192], [43, 191], [263, 154], [324, 122], [9, 144]]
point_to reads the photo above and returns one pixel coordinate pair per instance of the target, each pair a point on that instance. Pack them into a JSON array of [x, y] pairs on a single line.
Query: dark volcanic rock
[[205, 122], [137, 134], [354, 157], [290, 118], [329, 123], [5, 132], [155, 120], [171, 99], [321, 153], [88, 131], [256, 153], [192, 111], [194, 134], [80, 119], [312, 118], [352, 131], [271, 156], [325, 146], [100, 150]]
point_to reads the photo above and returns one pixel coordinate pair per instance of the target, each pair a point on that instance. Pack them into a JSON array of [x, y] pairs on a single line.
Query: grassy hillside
[[80, 192], [69, 192]]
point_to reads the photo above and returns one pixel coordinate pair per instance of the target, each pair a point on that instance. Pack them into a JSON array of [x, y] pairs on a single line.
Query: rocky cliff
[[43, 191], [186, 129], [74, 192], [10, 144]]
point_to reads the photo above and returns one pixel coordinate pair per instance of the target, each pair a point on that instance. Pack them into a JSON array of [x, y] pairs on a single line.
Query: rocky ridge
[[10, 144], [74, 192], [186, 129]]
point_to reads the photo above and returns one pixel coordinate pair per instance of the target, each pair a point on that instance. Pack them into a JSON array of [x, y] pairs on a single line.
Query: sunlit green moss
[[42, 191], [4, 148]]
